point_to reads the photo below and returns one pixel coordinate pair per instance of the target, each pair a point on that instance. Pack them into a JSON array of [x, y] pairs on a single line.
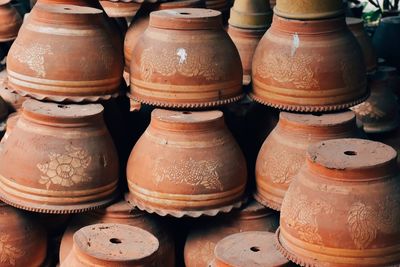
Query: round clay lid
[[186, 19], [116, 243], [52, 112], [66, 14], [248, 249], [352, 154], [318, 119]]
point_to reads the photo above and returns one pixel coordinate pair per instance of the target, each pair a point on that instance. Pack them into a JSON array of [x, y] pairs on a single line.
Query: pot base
[[267, 203]]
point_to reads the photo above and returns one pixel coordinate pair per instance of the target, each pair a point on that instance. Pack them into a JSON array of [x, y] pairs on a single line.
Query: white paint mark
[[181, 52], [296, 43]]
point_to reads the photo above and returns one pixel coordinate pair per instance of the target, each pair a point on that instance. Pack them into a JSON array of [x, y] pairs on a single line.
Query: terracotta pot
[[246, 42], [58, 159], [251, 14], [254, 248], [22, 239], [197, 66], [309, 66], [10, 21], [141, 21], [10, 125], [284, 151], [58, 72], [201, 241], [356, 26], [88, 3], [186, 163], [309, 9], [123, 213], [342, 208], [112, 245], [386, 42], [120, 9], [380, 112]]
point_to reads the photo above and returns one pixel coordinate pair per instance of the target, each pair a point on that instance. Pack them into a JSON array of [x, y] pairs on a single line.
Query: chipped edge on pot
[[310, 108], [187, 213], [188, 105], [269, 204], [288, 255]]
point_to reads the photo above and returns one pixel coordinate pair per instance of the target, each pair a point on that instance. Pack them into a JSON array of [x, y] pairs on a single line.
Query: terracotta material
[[58, 159], [10, 125], [23, 241], [120, 9], [309, 9], [10, 21], [284, 151], [201, 241], [112, 245], [87, 3], [247, 14], [386, 41], [380, 112], [58, 72], [140, 23], [248, 249], [309, 66], [14, 101], [342, 208], [186, 163], [122, 213], [356, 26], [197, 66]]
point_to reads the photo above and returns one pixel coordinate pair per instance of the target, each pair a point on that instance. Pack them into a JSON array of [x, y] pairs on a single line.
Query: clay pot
[[10, 125], [10, 21], [198, 66], [251, 14], [386, 41], [380, 112], [120, 9], [58, 72], [253, 248], [14, 101], [284, 151], [87, 3], [309, 9], [122, 213], [112, 245], [141, 21], [309, 66], [22, 239], [186, 163], [58, 159], [342, 208], [201, 241], [356, 26]]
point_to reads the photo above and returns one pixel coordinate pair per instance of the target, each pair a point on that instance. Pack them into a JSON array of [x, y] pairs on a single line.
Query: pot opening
[[255, 249], [115, 241], [350, 153]]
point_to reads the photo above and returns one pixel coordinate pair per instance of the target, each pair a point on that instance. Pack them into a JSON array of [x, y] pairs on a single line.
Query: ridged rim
[[179, 214], [311, 108], [267, 203], [187, 105]]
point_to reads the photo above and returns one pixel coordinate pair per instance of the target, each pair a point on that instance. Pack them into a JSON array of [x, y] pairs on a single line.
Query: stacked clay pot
[[10, 21], [53, 66], [201, 241], [104, 245], [284, 151], [309, 60], [197, 66], [343, 207], [253, 248], [220, 5], [120, 9], [247, 24], [58, 159], [186, 164], [122, 213]]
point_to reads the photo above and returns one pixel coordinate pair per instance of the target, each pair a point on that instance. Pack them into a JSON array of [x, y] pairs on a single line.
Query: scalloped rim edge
[[187, 105], [187, 213], [266, 203], [297, 108]]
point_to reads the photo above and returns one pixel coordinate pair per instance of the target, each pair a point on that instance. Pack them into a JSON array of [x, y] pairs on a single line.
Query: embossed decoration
[[8, 253], [366, 221], [65, 169], [34, 57], [286, 68], [190, 172], [301, 215], [170, 62]]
